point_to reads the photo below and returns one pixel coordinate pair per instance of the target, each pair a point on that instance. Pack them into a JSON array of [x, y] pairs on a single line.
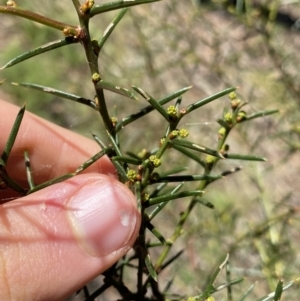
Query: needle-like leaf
[[209, 288], [156, 233], [110, 28], [99, 9], [167, 198], [59, 93], [154, 103], [248, 291], [209, 99], [186, 178], [278, 291], [271, 296], [149, 109], [260, 114], [245, 157], [116, 89], [196, 147], [162, 205], [150, 267], [40, 50], [12, 136]]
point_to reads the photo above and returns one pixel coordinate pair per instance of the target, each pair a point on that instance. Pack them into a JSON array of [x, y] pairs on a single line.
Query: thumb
[[54, 241]]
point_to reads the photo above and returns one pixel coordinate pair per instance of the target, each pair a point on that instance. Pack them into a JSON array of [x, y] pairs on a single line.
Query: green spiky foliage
[[146, 173]]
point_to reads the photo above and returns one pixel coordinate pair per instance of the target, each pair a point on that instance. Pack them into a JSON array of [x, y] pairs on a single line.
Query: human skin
[[54, 241]]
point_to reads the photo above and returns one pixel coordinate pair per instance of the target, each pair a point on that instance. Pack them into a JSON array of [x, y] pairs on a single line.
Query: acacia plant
[[147, 173]]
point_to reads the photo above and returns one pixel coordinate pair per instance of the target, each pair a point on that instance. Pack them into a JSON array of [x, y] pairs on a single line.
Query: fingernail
[[103, 216]]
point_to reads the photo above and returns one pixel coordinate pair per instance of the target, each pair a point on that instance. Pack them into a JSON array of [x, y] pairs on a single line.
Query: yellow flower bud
[[183, 133]]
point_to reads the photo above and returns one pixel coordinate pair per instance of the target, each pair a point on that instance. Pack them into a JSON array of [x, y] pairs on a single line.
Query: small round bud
[[172, 111], [210, 159], [222, 132], [146, 196], [155, 161], [11, 3], [114, 120], [232, 95], [85, 8], [72, 32], [228, 118], [131, 174], [241, 116], [169, 242], [183, 133], [162, 141], [182, 111], [235, 103], [174, 134], [96, 78], [143, 154]]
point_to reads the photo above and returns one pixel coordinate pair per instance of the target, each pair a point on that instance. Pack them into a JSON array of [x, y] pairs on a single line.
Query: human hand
[[54, 241]]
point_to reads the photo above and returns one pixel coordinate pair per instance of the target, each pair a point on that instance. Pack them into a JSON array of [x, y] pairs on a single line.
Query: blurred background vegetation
[[210, 45]]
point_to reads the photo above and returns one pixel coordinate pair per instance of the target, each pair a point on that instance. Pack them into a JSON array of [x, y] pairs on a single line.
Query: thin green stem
[[92, 59], [163, 148], [177, 232], [184, 216], [26, 14], [77, 6]]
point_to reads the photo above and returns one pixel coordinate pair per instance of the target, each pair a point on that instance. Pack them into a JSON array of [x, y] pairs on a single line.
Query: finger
[[53, 150], [56, 240]]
